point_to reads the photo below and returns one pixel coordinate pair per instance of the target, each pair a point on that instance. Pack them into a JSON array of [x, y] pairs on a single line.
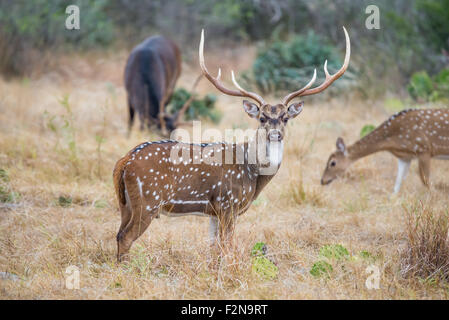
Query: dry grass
[[65, 212], [427, 253]]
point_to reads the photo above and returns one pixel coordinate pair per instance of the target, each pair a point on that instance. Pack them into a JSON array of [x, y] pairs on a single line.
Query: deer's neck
[[266, 170], [371, 143]]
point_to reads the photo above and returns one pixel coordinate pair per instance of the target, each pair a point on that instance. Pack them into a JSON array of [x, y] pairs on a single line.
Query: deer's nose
[[275, 135]]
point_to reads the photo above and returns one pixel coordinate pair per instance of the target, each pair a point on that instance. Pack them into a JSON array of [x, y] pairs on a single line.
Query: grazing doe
[[151, 72], [409, 134], [217, 180]]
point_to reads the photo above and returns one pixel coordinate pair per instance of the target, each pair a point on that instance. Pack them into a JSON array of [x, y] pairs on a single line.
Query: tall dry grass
[[427, 250], [58, 154]]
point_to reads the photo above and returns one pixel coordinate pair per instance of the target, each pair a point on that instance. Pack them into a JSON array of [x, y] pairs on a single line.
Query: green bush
[[286, 66], [423, 88], [199, 108], [420, 86]]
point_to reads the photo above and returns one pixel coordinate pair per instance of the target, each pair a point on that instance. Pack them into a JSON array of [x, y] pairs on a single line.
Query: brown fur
[[409, 134], [151, 72]]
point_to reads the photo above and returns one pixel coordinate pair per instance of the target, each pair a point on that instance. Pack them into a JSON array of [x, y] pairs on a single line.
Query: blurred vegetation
[[199, 108], [293, 36], [424, 88], [30, 27], [367, 129], [283, 65]]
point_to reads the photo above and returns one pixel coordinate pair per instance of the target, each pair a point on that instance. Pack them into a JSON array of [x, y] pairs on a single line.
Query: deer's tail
[[119, 182]]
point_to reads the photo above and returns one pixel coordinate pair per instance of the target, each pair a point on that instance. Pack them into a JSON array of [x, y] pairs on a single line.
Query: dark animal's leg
[[131, 117], [424, 168], [143, 121], [162, 118]]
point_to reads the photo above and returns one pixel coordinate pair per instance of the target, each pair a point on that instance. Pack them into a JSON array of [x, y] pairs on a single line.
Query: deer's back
[[418, 131]]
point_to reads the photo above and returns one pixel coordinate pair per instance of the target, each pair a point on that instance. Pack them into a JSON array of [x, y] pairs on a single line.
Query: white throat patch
[[275, 152]]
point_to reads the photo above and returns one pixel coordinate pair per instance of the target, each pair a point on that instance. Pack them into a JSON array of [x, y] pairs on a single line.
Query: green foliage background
[[293, 36]]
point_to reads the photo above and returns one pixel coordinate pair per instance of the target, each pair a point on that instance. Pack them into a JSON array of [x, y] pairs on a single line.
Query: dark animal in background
[[151, 72]]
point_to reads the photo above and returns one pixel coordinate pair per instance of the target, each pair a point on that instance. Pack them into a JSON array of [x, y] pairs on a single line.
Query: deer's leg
[[126, 217], [213, 229], [424, 168], [131, 233], [138, 220], [403, 166], [226, 228]]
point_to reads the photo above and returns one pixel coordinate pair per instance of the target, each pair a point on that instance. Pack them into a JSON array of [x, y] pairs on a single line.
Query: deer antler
[[216, 81], [329, 78]]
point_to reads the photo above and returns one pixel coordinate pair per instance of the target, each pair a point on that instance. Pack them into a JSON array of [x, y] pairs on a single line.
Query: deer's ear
[[295, 109], [251, 109], [341, 145]]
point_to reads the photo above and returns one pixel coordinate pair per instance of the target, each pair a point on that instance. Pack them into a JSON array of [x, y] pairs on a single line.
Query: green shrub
[[199, 108], [423, 88], [286, 66], [420, 86]]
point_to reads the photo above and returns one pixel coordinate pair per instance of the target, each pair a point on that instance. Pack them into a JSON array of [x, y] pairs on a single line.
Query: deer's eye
[[285, 120], [263, 120], [333, 163]]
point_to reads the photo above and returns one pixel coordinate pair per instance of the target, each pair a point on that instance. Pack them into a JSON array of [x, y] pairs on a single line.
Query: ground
[[61, 133]]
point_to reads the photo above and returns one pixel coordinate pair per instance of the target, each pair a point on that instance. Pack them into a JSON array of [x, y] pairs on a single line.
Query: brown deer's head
[[273, 118], [337, 163]]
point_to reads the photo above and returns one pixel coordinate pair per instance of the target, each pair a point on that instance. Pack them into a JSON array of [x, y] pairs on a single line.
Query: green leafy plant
[[199, 108], [366, 130], [321, 268], [261, 265], [334, 251], [330, 253]]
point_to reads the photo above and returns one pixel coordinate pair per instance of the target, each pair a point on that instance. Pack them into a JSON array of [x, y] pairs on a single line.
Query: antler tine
[[329, 78], [251, 95], [293, 95], [217, 83]]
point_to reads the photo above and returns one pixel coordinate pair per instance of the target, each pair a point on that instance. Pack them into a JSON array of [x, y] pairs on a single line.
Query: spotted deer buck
[[409, 134], [152, 179]]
